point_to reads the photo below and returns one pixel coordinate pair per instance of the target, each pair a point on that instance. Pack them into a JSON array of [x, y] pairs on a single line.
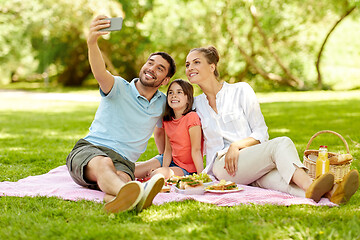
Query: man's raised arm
[[97, 64]]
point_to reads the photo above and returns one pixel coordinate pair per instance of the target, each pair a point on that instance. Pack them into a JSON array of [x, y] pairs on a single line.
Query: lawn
[[37, 133]]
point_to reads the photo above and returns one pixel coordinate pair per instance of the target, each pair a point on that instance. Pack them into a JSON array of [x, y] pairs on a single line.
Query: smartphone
[[115, 24]]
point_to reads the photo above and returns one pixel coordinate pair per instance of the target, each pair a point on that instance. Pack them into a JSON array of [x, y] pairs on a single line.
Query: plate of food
[[204, 177], [223, 187], [189, 185]]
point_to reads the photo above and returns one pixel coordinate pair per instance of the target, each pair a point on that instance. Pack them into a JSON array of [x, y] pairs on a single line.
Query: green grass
[[37, 134]]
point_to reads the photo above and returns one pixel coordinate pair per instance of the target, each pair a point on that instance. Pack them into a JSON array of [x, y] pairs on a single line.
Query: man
[[124, 122]]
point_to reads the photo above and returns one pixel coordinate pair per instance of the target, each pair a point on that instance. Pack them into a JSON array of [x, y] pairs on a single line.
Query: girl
[[236, 138], [183, 136]]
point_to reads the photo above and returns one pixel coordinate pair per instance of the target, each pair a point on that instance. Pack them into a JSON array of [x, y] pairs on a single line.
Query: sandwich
[[173, 180], [165, 189], [188, 182], [223, 185]]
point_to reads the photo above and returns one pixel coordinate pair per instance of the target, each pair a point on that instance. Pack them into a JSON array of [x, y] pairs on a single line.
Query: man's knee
[[100, 162], [97, 166]]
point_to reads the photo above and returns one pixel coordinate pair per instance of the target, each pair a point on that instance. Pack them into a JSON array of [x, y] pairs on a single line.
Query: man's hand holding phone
[[115, 24], [97, 63], [102, 25]]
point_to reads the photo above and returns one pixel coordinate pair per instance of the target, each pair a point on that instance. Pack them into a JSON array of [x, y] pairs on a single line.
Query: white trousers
[[269, 165]]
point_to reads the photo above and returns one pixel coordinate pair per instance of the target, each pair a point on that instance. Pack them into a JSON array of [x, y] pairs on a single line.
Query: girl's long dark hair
[[189, 93]]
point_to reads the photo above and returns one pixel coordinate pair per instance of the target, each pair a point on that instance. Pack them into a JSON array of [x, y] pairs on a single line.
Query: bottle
[[322, 162]]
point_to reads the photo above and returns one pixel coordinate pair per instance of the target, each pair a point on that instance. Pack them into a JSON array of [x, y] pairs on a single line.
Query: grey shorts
[[81, 155]]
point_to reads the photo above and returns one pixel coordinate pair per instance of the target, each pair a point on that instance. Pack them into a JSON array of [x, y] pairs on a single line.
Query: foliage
[[278, 45], [53, 34], [266, 42]]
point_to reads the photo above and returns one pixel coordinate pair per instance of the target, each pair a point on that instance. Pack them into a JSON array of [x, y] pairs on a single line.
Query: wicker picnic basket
[[339, 170]]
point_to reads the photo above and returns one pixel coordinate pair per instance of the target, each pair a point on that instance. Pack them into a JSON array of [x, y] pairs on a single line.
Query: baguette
[[340, 159]]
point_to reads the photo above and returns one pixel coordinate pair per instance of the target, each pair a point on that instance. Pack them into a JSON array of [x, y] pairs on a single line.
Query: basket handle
[[328, 131]]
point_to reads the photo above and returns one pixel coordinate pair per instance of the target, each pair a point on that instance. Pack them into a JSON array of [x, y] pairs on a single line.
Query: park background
[[301, 57], [274, 45]]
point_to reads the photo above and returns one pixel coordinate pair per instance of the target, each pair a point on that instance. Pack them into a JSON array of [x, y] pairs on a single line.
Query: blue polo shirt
[[125, 120]]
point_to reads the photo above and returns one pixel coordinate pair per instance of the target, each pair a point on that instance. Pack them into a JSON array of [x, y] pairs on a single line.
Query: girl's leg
[[167, 172], [144, 169]]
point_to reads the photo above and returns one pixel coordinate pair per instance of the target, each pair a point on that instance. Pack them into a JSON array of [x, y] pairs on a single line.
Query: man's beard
[[153, 84]]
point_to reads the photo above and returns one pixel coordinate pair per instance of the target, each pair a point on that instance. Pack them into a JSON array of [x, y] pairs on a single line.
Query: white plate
[[208, 184], [224, 191], [190, 191]]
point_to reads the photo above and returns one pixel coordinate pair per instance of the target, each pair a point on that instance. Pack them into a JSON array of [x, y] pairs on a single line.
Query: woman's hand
[[231, 160], [232, 155]]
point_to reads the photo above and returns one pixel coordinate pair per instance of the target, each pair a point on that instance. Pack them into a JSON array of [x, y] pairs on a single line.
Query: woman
[[236, 138]]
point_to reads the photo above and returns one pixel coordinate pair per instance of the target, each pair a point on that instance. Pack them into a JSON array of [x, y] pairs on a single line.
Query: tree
[[265, 42], [348, 8], [255, 41], [51, 34]]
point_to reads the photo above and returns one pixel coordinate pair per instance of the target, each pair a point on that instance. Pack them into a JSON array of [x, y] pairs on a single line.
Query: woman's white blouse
[[239, 116]]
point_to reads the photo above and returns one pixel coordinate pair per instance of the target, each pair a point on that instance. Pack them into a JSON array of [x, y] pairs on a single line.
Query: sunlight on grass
[[280, 130], [36, 136], [307, 96], [161, 215], [189, 228], [5, 135], [16, 149]]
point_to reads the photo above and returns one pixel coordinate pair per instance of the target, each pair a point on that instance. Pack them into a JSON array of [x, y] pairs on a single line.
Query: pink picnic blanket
[[58, 183]]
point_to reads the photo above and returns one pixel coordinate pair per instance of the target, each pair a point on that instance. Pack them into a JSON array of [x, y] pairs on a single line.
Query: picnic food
[[165, 189], [223, 185], [173, 180], [340, 159], [204, 177], [322, 162], [188, 182]]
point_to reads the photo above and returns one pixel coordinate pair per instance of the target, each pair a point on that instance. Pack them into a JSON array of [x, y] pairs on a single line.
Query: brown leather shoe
[[320, 186], [344, 190]]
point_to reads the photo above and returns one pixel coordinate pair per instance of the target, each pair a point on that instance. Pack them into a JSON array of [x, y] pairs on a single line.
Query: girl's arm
[[159, 136], [167, 153], [195, 139]]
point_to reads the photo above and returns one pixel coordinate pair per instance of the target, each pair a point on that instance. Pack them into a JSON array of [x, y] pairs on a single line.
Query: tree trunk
[[318, 60], [251, 63], [258, 69], [286, 70], [77, 68]]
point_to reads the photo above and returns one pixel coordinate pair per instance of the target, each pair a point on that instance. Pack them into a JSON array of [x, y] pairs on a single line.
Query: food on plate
[[204, 177], [173, 180], [195, 179], [223, 185], [165, 189], [188, 182], [145, 179], [187, 185]]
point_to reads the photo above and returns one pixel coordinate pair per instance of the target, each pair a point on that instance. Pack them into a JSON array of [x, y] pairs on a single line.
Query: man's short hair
[[170, 60]]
